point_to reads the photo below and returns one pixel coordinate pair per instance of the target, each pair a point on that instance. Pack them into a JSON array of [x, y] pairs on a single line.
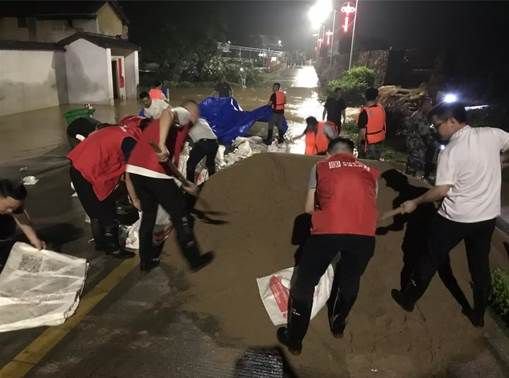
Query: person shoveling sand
[[260, 197]]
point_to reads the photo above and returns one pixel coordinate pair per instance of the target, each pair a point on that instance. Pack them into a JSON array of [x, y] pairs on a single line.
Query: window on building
[[22, 22]]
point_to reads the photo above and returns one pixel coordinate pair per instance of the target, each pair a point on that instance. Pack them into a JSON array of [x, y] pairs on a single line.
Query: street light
[[319, 12], [449, 98]]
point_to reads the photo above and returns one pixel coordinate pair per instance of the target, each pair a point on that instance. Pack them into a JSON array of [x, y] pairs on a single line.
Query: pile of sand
[[261, 196]]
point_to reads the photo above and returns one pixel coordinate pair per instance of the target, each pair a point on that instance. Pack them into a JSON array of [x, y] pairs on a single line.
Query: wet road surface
[[140, 329]]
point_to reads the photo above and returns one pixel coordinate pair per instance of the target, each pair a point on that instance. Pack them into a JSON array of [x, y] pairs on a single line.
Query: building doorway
[[114, 72]]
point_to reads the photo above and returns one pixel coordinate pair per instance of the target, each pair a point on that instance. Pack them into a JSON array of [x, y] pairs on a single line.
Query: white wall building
[[72, 53]]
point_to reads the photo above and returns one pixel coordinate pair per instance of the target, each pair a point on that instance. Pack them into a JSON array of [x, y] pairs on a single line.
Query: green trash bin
[[74, 114]]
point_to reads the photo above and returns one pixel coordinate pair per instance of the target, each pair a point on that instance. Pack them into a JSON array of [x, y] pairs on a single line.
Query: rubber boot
[[112, 244], [187, 243], [158, 248], [98, 234], [299, 313]]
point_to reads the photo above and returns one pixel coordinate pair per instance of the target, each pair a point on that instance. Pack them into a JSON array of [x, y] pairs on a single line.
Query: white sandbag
[[39, 288], [275, 289], [162, 230]]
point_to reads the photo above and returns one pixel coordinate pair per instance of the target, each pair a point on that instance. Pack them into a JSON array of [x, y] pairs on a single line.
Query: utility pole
[[353, 33], [332, 37]]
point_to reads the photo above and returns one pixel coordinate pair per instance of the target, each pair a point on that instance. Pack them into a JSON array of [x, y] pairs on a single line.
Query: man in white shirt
[[152, 108], [468, 183], [204, 143]]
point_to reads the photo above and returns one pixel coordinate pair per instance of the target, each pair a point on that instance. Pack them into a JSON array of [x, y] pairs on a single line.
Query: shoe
[[282, 336], [147, 266], [400, 299], [121, 254], [204, 260], [338, 330], [156, 261]]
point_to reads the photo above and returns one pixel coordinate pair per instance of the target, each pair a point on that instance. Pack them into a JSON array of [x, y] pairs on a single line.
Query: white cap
[[184, 117]]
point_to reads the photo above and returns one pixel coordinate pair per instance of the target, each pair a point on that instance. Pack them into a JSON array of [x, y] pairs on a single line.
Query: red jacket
[[346, 197], [100, 160], [143, 154]]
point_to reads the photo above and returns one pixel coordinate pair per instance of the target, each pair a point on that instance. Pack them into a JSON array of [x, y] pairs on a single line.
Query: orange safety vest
[[376, 128], [280, 101], [317, 143]]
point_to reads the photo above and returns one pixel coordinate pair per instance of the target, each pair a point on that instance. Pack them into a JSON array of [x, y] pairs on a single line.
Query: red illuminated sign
[[348, 10]]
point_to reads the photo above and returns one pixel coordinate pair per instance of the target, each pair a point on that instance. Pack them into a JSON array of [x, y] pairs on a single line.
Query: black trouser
[[410, 264], [445, 235], [102, 213], [152, 192], [203, 148], [319, 251], [102, 210], [276, 119]]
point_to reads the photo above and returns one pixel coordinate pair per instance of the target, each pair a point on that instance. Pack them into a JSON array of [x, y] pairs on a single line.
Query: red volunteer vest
[[100, 160], [144, 156], [346, 197]]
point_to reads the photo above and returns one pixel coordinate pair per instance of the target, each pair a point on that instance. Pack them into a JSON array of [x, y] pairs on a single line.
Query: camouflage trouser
[[371, 151], [416, 159]]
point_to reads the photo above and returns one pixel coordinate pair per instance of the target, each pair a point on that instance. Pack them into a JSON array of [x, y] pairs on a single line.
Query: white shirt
[[155, 109], [201, 130], [470, 163]]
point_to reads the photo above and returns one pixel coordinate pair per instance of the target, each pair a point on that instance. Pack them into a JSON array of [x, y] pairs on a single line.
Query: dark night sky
[[398, 23]]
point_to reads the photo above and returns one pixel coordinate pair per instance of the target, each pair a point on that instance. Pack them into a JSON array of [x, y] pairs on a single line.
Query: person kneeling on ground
[[318, 136], [204, 143], [340, 222], [12, 198], [97, 166], [154, 179]]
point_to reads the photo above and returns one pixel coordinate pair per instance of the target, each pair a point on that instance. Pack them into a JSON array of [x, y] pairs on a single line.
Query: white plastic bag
[[39, 288], [162, 230], [275, 289]]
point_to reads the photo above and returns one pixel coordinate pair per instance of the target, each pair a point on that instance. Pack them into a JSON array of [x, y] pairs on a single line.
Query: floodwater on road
[[31, 134]]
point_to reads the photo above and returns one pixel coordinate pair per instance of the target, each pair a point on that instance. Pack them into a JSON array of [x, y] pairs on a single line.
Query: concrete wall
[[132, 75], [31, 80], [89, 77], [45, 30], [9, 29], [53, 30], [108, 21], [84, 25]]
